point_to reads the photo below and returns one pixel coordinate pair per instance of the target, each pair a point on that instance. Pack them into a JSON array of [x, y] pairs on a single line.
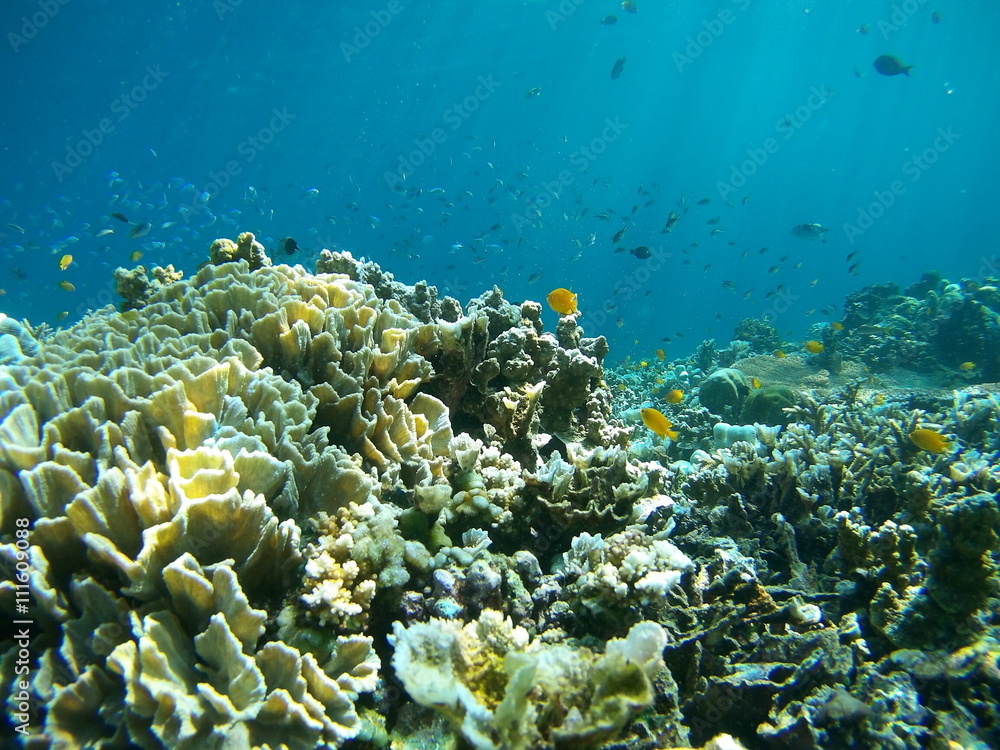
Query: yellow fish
[[675, 396], [136, 255], [967, 366], [837, 326], [67, 286], [814, 347], [65, 261], [563, 301], [930, 440], [755, 383], [780, 354], [660, 354], [654, 420], [62, 316]]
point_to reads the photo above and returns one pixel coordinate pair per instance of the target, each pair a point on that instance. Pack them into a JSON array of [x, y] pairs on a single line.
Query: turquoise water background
[[476, 144]]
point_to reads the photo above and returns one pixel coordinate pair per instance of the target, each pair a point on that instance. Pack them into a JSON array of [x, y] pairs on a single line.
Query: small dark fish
[[618, 68], [533, 92], [120, 217], [863, 28], [534, 277], [140, 230], [288, 245], [619, 249], [16, 228], [642, 252], [935, 17], [618, 235], [704, 202], [888, 65], [609, 20]]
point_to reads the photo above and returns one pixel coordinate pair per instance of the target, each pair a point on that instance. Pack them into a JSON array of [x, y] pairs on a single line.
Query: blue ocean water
[[488, 143]]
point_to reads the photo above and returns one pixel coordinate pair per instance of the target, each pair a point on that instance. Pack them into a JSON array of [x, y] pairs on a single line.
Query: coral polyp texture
[[263, 507]]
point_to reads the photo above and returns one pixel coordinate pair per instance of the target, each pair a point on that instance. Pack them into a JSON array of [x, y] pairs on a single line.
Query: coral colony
[[263, 507]]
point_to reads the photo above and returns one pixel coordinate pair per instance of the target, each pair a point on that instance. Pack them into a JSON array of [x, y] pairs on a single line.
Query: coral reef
[[264, 507], [933, 327]]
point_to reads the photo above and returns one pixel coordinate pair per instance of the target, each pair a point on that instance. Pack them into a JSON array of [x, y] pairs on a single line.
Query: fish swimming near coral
[[810, 232], [931, 441], [654, 420], [814, 347], [563, 301], [675, 396], [888, 65]]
